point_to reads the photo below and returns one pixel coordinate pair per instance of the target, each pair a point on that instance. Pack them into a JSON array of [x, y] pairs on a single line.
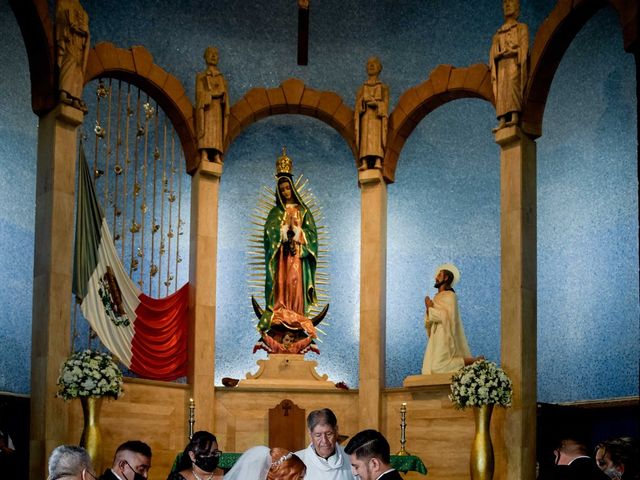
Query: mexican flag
[[148, 335]]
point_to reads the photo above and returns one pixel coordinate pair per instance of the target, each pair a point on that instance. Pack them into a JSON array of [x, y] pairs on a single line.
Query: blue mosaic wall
[[17, 214], [588, 223], [443, 206]]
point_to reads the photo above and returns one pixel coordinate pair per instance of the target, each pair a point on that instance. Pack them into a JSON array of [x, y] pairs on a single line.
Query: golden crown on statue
[[284, 165]]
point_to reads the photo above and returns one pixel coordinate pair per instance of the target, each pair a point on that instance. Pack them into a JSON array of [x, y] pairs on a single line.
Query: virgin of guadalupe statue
[[290, 240]]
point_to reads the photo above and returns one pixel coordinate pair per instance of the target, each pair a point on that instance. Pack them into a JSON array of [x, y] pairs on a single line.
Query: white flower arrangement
[[89, 374], [481, 383]]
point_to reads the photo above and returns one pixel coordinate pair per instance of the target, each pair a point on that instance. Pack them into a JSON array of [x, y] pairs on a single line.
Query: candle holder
[[403, 430], [192, 417]]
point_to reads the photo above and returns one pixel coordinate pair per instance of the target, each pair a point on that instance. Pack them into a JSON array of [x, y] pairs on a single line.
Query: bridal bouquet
[[89, 374], [481, 383]]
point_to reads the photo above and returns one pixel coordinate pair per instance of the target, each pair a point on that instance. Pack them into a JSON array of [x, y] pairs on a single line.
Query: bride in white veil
[[264, 463]]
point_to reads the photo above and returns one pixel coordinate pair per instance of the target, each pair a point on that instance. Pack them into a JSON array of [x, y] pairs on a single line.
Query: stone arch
[[445, 83], [292, 96], [135, 65], [552, 40], [37, 33]]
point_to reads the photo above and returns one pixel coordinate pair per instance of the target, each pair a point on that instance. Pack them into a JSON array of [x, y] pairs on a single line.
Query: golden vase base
[[91, 438], [482, 462]]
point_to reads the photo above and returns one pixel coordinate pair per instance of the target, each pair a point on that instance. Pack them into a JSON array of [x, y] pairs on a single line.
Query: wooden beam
[[303, 32]]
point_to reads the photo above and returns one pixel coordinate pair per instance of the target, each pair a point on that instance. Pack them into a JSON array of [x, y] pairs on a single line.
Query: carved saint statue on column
[[72, 50], [508, 61], [371, 117], [212, 109]]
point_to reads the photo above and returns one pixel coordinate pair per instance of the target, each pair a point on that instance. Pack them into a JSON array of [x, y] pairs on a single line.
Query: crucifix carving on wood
[[303, 32], [286, 406], [287, 426]]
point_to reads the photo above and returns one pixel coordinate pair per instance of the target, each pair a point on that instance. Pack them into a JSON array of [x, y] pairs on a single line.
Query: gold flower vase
[[482, 464], [91, 438]]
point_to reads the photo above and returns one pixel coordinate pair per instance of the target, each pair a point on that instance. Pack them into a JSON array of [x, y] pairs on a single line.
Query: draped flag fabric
[[148, 335]]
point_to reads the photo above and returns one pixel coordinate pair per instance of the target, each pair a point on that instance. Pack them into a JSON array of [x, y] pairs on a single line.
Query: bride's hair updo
[[285, 465]]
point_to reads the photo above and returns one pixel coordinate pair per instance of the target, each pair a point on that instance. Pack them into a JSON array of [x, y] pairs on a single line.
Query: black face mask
[[136, 475], [207, 464]]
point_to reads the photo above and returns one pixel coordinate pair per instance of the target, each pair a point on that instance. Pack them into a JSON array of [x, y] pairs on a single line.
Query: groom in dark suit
[[370, 457]]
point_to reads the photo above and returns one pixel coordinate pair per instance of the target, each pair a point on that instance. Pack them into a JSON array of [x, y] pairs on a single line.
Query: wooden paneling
[[436, 432], [157, 413], [154, 412], [242, 416]]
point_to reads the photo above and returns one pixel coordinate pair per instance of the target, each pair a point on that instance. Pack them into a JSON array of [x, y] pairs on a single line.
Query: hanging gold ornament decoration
[[101, 90], [149, 111], [140, 163], [99, 131]]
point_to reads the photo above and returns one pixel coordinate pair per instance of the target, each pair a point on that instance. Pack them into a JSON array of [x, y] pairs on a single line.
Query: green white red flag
[[148, 335]]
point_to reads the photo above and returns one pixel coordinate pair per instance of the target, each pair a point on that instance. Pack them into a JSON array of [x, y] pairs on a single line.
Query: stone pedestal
[[202, 297], [287, 372], [436, 379], [373, 293], [518, 301], [53, 260]]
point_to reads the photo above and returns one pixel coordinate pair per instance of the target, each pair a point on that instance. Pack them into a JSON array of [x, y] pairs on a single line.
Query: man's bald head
[[569, 449]]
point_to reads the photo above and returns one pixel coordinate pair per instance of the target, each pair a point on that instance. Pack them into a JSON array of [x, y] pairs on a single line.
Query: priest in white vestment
[[324, 457], [447, 348]]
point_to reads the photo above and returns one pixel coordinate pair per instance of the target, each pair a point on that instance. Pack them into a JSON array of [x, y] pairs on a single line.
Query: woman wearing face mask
[[199, 461], [618, 458]]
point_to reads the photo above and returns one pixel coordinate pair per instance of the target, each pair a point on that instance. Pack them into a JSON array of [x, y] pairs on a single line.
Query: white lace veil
[[252, 465]]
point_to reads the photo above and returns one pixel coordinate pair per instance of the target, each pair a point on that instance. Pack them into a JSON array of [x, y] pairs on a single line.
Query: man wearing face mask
[[572, 463], [132, 461]]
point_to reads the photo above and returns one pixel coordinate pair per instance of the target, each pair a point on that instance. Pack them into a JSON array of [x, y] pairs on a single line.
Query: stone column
[[517, 426], [202, 297], [373, 292], [52, 275]]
